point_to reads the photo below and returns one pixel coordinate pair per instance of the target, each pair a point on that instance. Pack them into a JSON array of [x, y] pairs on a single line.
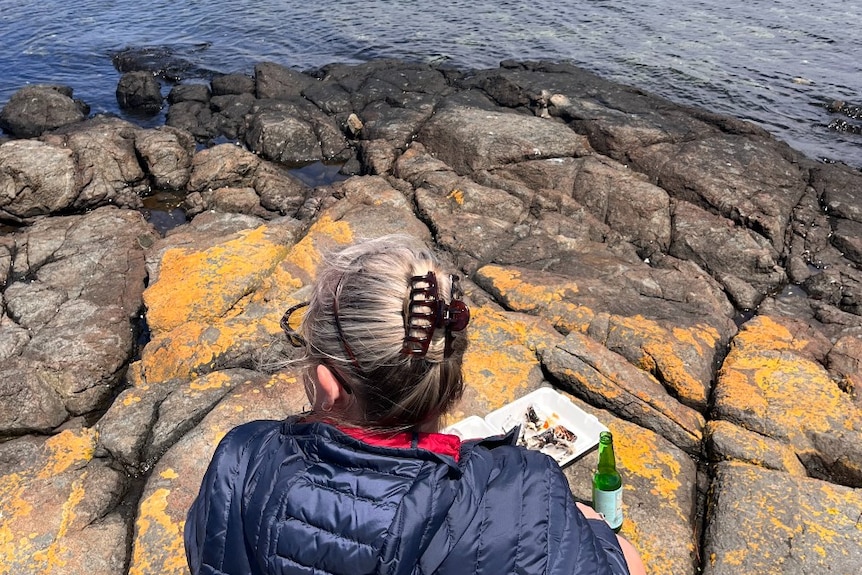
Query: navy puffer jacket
[[290, 497]]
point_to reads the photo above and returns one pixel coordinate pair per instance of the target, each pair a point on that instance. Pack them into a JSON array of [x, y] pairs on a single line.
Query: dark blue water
[[777, 63]]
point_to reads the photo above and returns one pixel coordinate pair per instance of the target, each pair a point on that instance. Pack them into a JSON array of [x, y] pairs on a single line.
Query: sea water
[[778, 63]]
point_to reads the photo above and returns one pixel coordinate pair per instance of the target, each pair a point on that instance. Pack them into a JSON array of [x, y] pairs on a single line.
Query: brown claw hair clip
[[426, 312]]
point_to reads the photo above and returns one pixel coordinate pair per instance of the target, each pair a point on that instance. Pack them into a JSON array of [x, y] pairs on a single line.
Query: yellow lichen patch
[[598, 385], [14, 509], [669, 352], [193, 348], [840, 508], [674, 371], [168, 474], [736, 390], [32, 541], [735, 557], [755, 448], [66, 449], [549, 301], [131, 399], [281, 283], [701, 337], [280, 379], [521, 295], [639, 454], [457, 196], [52, 557], [306, 255], [159, 539], [657, 557], [498, 363], [778, 381], [207, 284], [763, 332], [215, 380]]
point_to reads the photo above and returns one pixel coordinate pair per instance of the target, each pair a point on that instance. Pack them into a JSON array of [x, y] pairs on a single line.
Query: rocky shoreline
[[685, 277]]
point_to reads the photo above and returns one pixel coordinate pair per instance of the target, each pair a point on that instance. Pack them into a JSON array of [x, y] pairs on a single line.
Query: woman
[[363, 483]]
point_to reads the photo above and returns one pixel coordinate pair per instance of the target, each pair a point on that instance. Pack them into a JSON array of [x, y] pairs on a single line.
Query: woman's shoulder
[[240, 438], [509, 462]]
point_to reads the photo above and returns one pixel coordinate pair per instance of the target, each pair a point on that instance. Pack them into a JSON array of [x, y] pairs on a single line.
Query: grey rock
[[167, 155], [276, 81], [33, 110], [186, 405], [840, 188], [620, 198], [189, 93], [847, 237], [36, 179], [222, 165], [232, 84], [330, 97], [845, 362], [294, 131], [229, 112], [397, 125], [742, 260], [193, 116], [126, 427], [279, 191], [86, 347], [281, 138], [76, 282], [470, 139], [763, 521], [233, 200], [106, 162], [139, 92], [13, 339], [28, 400], [377, 157]]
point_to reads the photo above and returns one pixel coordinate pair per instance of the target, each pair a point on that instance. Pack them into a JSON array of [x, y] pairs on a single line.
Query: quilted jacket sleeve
[[587, 546], [526, 521], [214, 541]]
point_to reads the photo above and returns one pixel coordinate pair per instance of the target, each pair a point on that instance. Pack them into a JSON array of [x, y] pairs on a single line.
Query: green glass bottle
[[608, 484]]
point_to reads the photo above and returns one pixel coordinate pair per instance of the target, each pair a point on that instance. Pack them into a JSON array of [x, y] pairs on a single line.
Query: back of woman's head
[[369, 321]]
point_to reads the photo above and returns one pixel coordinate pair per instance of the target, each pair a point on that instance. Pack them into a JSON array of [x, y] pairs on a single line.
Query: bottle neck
[[607, 461]]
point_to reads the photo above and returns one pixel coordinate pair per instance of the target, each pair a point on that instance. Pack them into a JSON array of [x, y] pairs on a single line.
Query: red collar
[[440, 443]]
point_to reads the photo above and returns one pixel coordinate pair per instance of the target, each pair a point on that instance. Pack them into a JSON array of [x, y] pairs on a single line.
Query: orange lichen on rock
[[307, 254], [30, 540], [763, 328], [643, 457], [67, 449], [299, 267], [194, 348], [551, 300], [671, 354], [457, 196], [786, 520], [157, 530], [791, 394], [498, 364], [734, 442], [215, 380], [204, 285]]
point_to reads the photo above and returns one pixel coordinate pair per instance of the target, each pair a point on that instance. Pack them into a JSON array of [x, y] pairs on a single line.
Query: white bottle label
[[609, 504]]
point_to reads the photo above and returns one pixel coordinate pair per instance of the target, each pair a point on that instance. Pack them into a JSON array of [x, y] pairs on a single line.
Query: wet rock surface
[[687, 279]]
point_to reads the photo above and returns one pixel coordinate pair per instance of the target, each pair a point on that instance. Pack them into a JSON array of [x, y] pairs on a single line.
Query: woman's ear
[[329, 389]]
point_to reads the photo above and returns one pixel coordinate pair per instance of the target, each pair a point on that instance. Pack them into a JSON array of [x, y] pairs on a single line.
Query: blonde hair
[[368, 285]]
